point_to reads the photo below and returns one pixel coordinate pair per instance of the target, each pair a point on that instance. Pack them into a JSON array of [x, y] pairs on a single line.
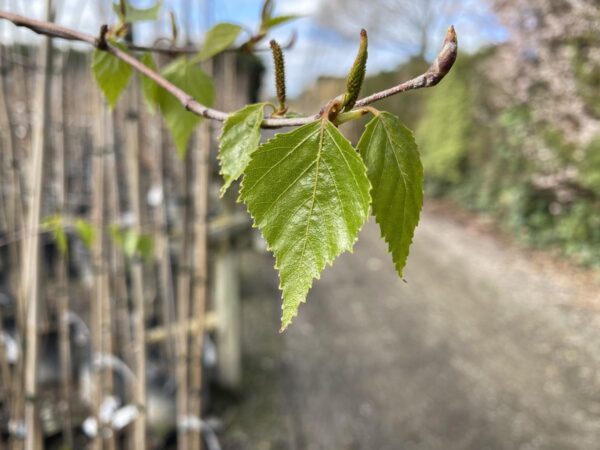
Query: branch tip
[[440, 67], [445, 59], [451, 35]]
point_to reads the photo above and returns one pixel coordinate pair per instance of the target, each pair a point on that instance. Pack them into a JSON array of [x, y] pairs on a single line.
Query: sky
[[317, 52]]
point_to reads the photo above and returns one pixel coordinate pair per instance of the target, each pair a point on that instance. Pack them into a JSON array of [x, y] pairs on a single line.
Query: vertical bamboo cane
[[8, 146], [104, 299], [162, 245], [117, 275], [5, 375], [12, 221], [97, 215], [183, 298], [62, 280], [139, 316], [30, 268], [201, 185], [117, 271], [6, 158]]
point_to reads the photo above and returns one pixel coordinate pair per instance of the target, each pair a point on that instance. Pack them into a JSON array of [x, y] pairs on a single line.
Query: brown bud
[[445, 59]]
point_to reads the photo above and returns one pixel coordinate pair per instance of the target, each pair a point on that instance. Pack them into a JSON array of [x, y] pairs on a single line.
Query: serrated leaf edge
[[226, 186], [350, 249], [399, 269]]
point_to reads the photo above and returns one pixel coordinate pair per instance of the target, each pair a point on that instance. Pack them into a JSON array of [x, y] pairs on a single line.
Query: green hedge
[[489, 160]]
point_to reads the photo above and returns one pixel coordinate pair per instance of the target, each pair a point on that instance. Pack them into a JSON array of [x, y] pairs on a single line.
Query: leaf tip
[[223, 189], [287, 317]]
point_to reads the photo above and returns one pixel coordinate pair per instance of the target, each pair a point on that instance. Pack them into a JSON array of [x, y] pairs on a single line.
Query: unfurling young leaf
[[267, 19], [132, 14], [276, 21], [308, 193], [267, 10], [218, 38], [240, 138], [111, 74], [394, 167], [190, 78]]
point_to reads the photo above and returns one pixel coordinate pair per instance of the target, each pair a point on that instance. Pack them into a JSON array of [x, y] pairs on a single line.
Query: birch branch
[[436, 72]]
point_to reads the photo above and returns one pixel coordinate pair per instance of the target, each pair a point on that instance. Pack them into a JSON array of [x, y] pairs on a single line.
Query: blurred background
[[156, 305]]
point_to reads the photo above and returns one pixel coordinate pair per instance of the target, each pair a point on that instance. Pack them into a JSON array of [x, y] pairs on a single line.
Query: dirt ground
[[485, 346]]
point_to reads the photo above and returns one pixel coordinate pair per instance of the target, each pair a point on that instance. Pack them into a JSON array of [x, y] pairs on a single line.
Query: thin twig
[[190, 50], [431, 77], [436, 72]]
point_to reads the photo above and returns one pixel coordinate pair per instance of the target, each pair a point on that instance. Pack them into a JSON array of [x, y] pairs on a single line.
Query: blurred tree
[[404, 24], [551, 63]]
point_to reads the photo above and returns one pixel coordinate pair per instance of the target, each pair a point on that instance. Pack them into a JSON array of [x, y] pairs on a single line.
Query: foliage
[[128, 13], [240, 138], [551, 63], [308, 193], [132, 243], [308, 190], [190, 78], [85, 231], [111, 74], [273, 22], [58, 225], [219, 38], [501, 160], [590, 167], [394, 168], [55, 225], [443, 146], [268, 21], [150, 89]]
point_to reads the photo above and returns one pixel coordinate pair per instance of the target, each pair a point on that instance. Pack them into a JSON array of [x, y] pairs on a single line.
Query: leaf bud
[[445, 59], [357, 73], [279, 64]]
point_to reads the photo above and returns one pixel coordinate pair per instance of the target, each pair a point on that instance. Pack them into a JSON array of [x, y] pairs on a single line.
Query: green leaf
[[308, 193], [240, 138], [86, 232], [191, 79], [111, 74], [218, 38], [130, 242], [55, 224], [394, 167], [149, 88], [145, 246], [138, 15], [279, 20]]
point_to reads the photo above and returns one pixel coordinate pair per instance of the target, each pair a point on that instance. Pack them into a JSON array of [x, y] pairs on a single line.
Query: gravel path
[[480, 349]]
